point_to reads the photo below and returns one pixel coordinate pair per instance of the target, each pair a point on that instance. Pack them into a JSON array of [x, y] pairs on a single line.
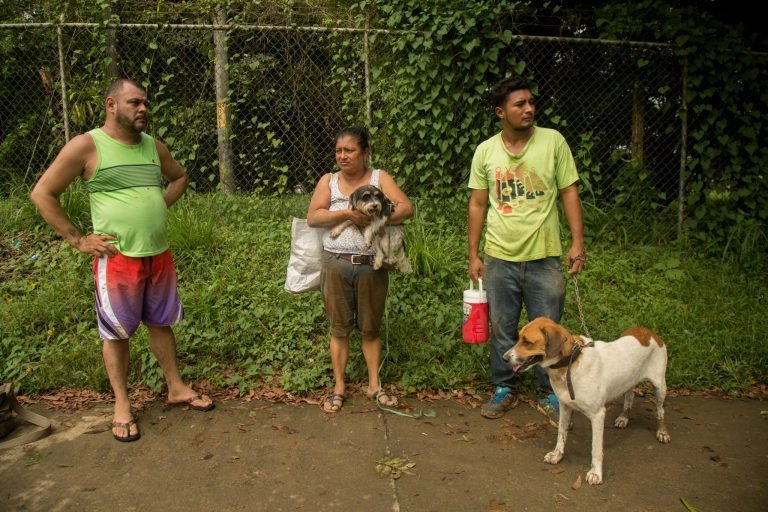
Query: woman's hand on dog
[[358, 217]]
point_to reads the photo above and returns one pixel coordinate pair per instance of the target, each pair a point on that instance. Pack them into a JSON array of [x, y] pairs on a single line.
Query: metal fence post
[[367, 73], [638, 123], [63, 81], [683, 153], [110, 35], [223, 116]]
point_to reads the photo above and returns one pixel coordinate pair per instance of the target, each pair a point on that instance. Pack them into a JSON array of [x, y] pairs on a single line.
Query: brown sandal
[[334, 403], [382, 397]]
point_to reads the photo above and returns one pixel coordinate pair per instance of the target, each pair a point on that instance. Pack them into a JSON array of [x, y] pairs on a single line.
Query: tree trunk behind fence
[[223, 116], [638, 124], [113, 70]]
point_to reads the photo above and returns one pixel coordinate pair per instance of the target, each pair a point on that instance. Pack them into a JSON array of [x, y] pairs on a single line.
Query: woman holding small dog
[[354, 293]]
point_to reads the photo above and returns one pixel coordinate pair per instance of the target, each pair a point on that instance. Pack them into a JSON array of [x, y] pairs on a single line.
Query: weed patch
[[242, 329]]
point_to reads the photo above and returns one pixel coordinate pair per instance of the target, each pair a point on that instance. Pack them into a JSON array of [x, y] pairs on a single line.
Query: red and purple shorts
[[130, 291]]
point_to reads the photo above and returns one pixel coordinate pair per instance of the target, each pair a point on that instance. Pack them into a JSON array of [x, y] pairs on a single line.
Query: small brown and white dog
[[586, 375], [390, 242]]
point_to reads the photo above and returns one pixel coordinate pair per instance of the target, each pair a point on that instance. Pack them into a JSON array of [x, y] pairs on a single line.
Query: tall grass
[[17, 213], [191, 232], [241, 329], [432, 242]]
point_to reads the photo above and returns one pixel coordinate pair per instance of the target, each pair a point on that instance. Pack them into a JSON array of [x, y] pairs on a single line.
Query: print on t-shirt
[[517, 187]]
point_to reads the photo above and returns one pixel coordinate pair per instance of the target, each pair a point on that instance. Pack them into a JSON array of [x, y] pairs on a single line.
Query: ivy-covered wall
[[669, 127]]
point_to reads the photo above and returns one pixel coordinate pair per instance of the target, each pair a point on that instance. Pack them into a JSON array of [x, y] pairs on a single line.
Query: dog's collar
[[567, 361]]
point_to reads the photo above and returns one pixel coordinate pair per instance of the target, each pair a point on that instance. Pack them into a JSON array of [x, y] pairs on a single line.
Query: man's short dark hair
[[117, 86], [499, 93]]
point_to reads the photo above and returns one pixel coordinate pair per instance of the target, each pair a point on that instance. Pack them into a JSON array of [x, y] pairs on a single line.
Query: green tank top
[[127, 195]]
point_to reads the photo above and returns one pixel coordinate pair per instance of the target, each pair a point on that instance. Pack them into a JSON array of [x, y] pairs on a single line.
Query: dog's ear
[[355, 197], [387, 206], [556, 337]]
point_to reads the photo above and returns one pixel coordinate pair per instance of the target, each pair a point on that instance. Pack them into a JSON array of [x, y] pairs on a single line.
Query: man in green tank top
[[125, 172]]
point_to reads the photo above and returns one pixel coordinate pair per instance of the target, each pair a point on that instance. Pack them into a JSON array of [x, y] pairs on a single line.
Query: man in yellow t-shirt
[[515, 180]]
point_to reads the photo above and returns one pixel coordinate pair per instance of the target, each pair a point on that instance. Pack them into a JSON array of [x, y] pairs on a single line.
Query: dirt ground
[[259, 456]]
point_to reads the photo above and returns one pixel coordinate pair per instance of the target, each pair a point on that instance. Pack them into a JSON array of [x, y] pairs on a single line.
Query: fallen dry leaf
[[577, 484], [394, 467], [97, 430], [498, 506], [284, 428], [456, 428]]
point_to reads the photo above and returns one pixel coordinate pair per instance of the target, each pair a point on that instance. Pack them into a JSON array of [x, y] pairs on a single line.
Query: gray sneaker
[[502, 401]]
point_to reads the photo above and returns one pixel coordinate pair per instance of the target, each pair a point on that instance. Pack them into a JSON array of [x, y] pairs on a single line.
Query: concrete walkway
[[259, 456]]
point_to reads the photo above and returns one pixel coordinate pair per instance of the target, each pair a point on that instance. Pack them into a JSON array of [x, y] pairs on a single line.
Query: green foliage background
[[242, 329], [430, 85], [429, 74], [704, 293]]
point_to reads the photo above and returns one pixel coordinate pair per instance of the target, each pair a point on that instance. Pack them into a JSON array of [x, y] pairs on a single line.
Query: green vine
[[429, 85], [726, 200]]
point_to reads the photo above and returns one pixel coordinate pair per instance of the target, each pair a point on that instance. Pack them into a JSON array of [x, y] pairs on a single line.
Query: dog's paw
[[595, 477], [621, 422], [553, 457], [662, 436], [335, 232]]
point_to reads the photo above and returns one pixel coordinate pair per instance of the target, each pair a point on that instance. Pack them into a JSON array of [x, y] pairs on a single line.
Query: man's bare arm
[[173, 172], [68, 165], [478, 201], [576, 257]]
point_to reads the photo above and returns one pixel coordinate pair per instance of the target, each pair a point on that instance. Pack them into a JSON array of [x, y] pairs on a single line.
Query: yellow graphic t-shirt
[[522, 222]]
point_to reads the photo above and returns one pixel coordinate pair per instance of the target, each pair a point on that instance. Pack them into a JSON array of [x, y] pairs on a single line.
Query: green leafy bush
[[242, 329]]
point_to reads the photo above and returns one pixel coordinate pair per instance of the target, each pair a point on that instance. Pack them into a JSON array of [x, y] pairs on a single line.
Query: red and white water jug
[[475, 327]]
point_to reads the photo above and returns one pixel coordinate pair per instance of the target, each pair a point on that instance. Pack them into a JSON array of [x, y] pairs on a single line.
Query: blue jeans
[[538, 285]]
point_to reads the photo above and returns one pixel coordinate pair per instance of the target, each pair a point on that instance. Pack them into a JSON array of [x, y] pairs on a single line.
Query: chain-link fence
[[283, 105], [618, 106], [269, 127]]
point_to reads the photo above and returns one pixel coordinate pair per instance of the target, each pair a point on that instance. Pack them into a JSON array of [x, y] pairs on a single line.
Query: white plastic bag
[[305, 263]]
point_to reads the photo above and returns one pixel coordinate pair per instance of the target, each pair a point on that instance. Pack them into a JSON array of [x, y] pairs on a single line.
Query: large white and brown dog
[[587, 374]]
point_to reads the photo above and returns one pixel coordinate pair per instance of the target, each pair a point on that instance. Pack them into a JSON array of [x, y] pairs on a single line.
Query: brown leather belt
[[355, 259]]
